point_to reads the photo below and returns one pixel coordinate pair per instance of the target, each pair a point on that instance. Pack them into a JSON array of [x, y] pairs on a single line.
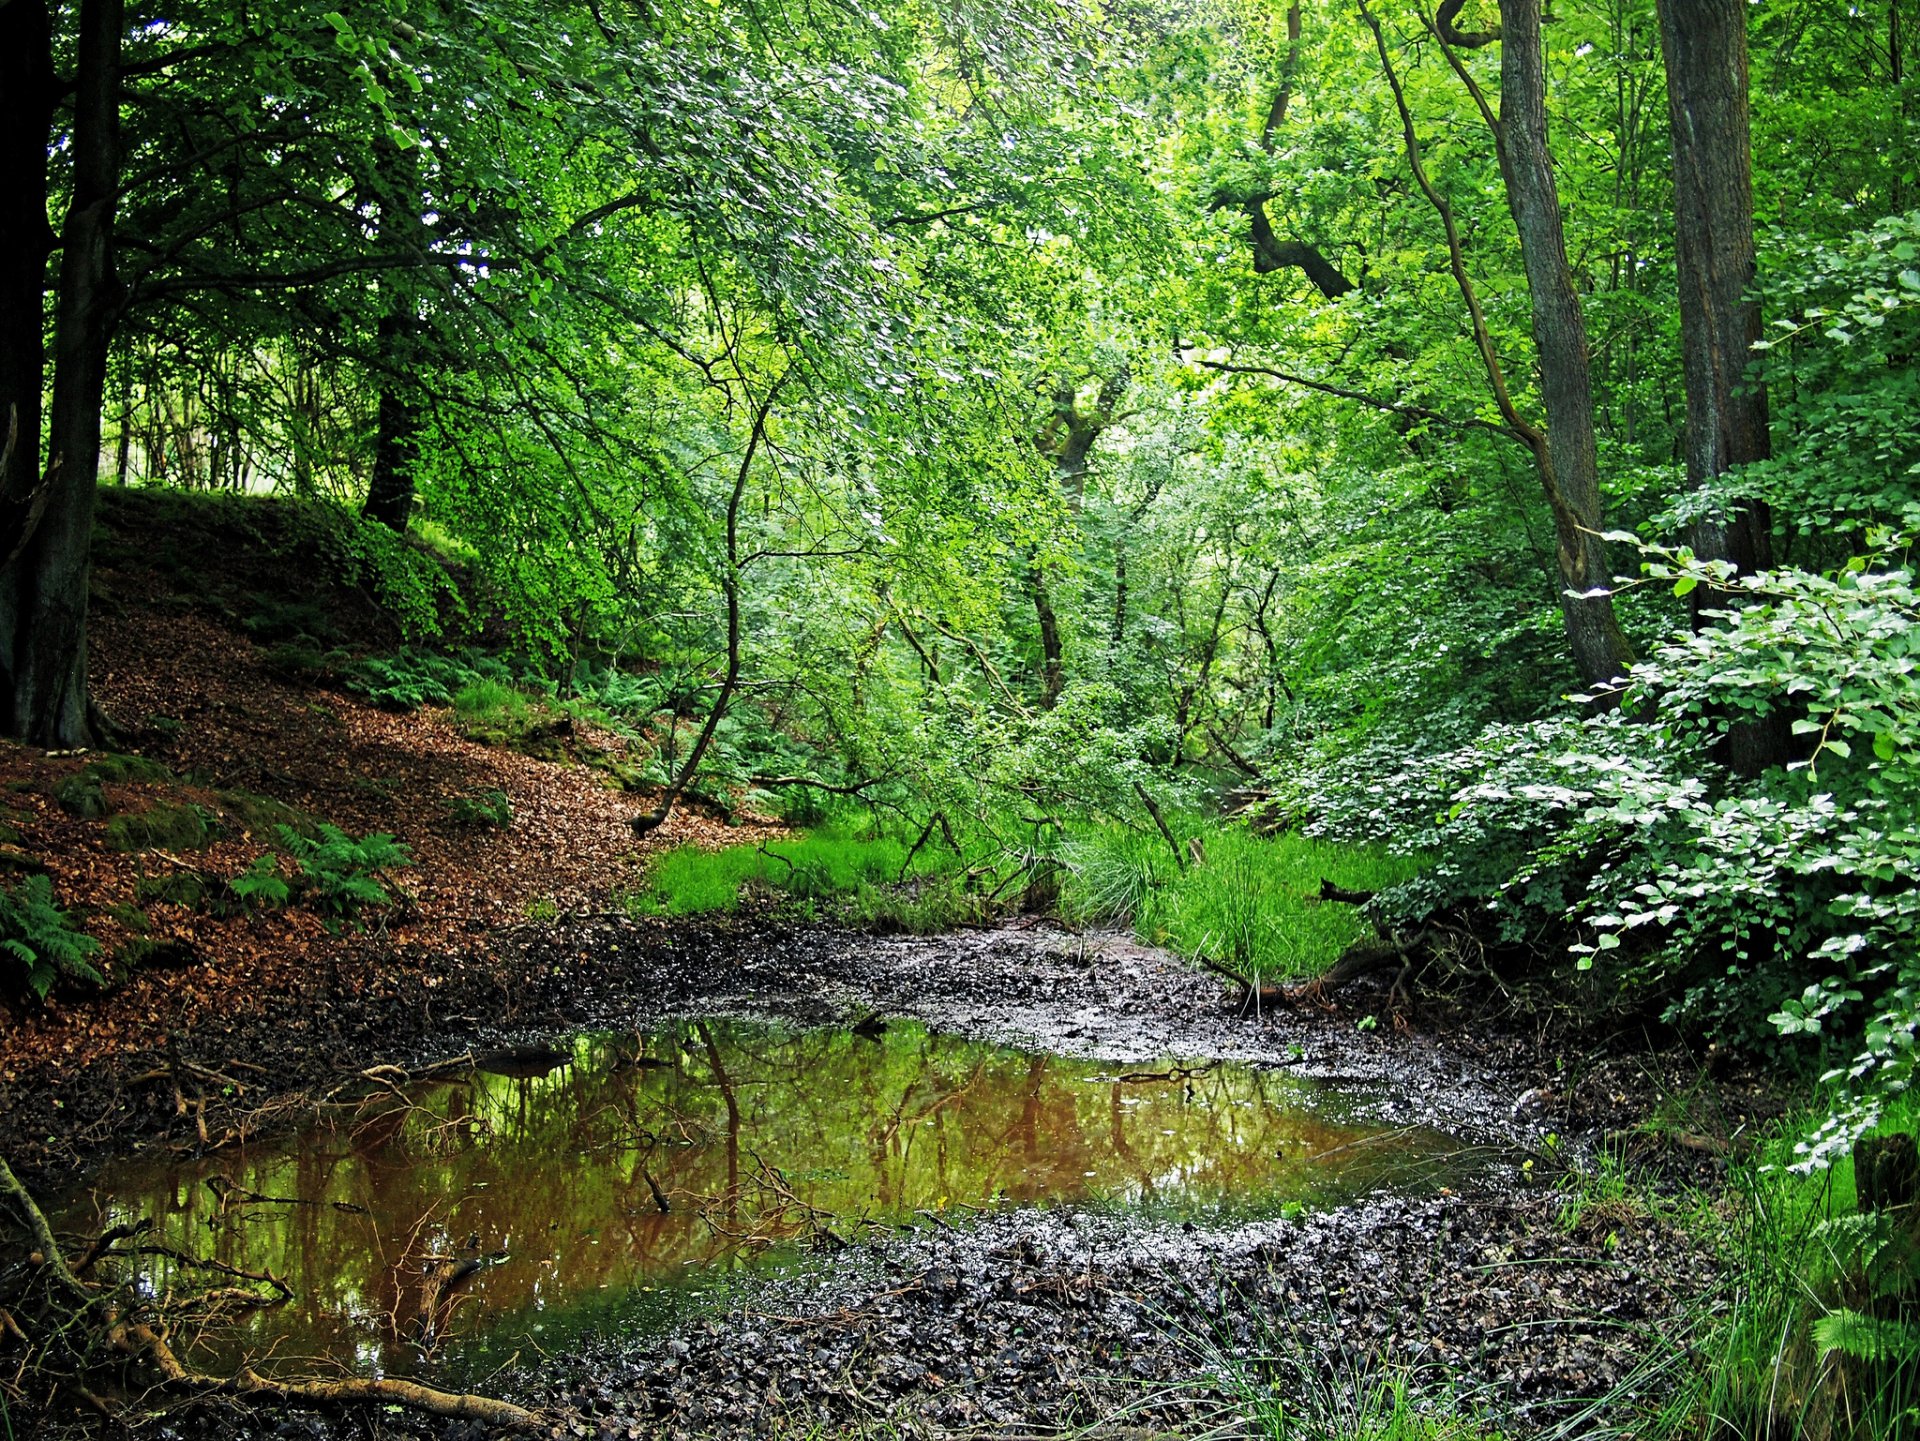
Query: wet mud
[[1018, 1321]]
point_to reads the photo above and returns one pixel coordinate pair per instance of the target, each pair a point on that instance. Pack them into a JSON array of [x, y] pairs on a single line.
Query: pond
[[622, 1178]]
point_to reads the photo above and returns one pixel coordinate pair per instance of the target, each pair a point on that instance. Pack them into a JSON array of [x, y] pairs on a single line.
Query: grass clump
[[864, 878], [490, 807], [1249, 902]]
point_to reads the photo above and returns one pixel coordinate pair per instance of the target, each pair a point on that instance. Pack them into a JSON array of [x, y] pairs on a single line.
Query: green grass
[[863, 878], [1777, 1351], [488, 700], [1249, 902]]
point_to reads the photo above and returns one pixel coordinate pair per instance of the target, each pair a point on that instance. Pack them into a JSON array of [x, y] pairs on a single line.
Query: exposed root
[[132, 1328]]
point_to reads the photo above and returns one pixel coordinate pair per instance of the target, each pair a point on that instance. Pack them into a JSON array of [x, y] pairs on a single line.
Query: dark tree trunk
[[1705, 43], [390, 492], [43, 590], [1569, 464], [26, 113], [1706, 52]]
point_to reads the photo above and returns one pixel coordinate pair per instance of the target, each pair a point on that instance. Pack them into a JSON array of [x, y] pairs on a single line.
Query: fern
[[409, 679], [340, 873], [40, 936], [261, 884], [1866, 1338], [1869, 1243]]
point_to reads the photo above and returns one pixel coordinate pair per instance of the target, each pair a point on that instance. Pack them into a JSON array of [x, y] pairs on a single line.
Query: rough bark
[[390, 492], [1570, 469], [26, 111], [1566, 463], [1705, 42], [1705, 46], [43, 590]]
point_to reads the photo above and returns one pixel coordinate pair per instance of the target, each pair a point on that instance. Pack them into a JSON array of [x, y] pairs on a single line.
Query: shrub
[[342, 875], [482, 808], [261, 885], [41, 937]]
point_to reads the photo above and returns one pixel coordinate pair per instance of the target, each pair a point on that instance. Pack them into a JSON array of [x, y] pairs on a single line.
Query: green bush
[[41, 937], [342, 876], [411, 678], [482, 808]]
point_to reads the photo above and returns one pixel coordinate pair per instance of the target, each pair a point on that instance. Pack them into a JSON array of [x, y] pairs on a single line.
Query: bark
[[1270, 253], [1563, 451], [1705, 45], [43, 589], [390, 492], [26, 112], [1570, 468]]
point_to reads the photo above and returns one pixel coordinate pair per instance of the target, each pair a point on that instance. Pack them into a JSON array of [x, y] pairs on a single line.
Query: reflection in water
[[535, 1195]]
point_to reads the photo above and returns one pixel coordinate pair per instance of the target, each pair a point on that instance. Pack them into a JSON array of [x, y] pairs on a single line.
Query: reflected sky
[[616, 1179]]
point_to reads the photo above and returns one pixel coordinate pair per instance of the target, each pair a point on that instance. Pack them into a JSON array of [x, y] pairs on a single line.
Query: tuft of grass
[[863, 878], [1250, 902], [488, 700]]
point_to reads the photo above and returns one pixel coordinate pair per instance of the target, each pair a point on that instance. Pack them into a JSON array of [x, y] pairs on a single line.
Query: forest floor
[[221, 1026]]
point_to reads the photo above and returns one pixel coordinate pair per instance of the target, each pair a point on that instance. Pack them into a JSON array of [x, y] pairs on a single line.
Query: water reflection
[[511, 1202]]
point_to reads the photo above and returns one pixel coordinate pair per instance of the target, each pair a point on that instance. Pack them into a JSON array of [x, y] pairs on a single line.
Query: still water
[[504, 1207]]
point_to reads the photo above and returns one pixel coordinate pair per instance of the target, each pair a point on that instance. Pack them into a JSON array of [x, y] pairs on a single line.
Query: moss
[[132, 917], [622, 772], [175, 888], [19, 862], [122, 769], [257, 815], [164, 827], [80, 795]]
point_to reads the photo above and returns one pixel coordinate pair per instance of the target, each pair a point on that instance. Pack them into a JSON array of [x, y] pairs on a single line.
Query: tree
[[1705, 44], [43, 584], [1564, 451]]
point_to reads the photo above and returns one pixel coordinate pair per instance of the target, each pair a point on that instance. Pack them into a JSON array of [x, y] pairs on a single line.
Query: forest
[[1266, 655]]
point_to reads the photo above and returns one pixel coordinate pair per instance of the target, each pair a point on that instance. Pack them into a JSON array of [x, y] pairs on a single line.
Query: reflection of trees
[[778, 1128]]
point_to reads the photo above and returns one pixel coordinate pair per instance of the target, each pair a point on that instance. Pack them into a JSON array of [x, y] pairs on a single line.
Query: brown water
[[508, 1207]]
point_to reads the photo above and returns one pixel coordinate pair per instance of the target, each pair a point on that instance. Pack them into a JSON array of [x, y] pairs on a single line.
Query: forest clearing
[[1018, 719]]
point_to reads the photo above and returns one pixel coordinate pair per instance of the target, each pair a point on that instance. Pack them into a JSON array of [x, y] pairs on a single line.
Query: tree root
[[146, 1341]]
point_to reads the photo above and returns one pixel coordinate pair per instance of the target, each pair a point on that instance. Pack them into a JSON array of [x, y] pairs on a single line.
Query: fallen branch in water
[[143, 1337]]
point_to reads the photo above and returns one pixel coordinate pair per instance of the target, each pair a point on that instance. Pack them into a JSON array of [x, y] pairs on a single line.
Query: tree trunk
[[1705, 44], [390, 491], [26, 112], [43, 590], [1569, 466]]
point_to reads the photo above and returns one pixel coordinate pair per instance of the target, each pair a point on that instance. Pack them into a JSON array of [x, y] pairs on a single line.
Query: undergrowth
[[40, 939], [1813, 1333], [1249, 902], [850, 876]]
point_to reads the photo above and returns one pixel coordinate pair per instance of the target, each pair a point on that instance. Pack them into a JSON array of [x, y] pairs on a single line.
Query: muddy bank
[[1036, 1323], [1025, 1321], [1097, 995]]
